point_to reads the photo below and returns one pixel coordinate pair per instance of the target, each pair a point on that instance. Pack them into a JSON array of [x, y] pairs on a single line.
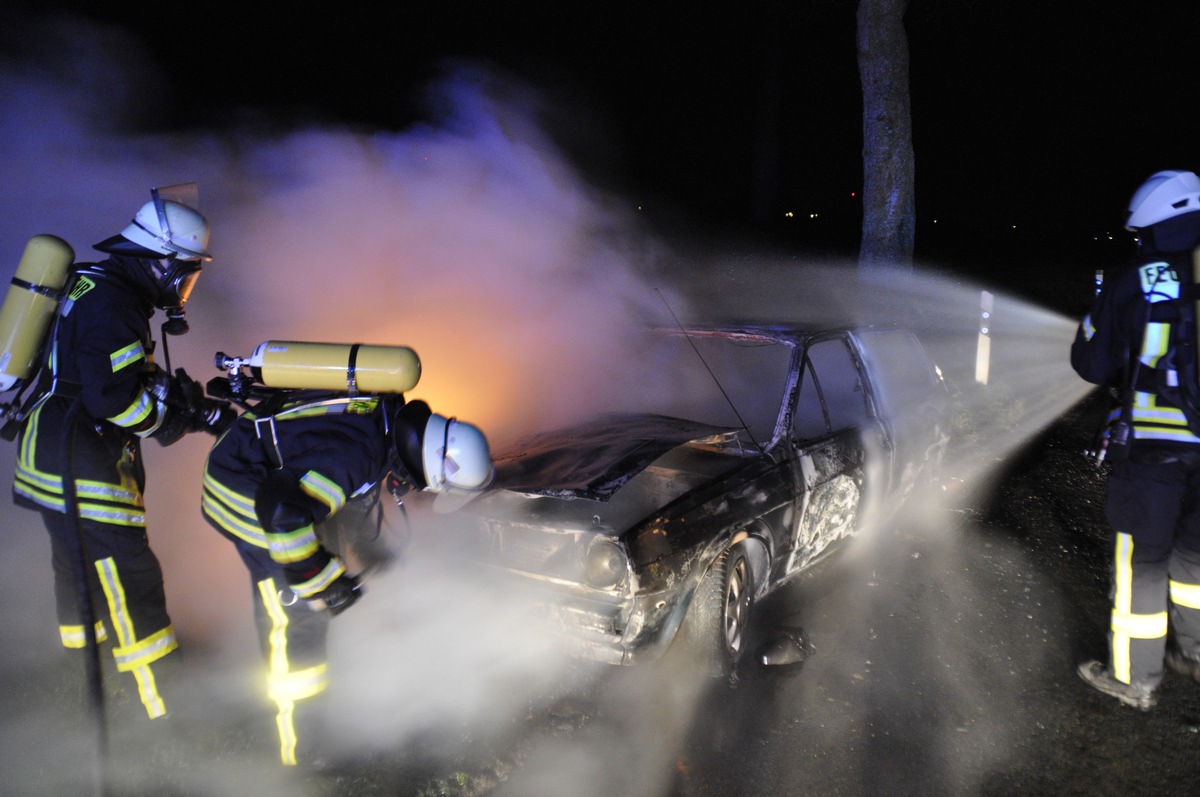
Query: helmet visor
[[177, 283], [184, 284]]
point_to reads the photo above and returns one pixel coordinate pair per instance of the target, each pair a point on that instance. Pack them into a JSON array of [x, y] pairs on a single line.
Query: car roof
[[791, 333]]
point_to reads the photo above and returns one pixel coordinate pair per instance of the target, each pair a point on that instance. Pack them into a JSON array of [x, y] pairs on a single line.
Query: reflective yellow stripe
[[285, 687], [1122, 604], [101, 513], [232, 512], [145, 651], [151, 649], [1140, 626], [293, 546], [1157, 342], [285, 723], [330, 573], [231, 522], [95, 497], [122, 358], [277, 636], [136, 412], [242, 504], [323, 489], [298, 685], [277, 663], [73, 635], [1187, 595], [29, 439]]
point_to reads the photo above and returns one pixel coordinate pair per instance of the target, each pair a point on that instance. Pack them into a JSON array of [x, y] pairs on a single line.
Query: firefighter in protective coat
[[292, 486], [102, 394], [1140, 339]]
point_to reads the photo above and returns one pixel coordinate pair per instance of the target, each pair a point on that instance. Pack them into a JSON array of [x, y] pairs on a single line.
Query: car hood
[[595, 459]]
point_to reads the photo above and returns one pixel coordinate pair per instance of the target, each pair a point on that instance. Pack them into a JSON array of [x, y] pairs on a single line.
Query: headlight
[[605, 563]]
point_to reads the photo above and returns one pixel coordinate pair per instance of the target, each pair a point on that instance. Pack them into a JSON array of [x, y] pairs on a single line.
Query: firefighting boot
[[1183, 663], [1097, 676]]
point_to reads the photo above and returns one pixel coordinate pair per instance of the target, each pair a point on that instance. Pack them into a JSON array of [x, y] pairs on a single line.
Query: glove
[[203, 414], [217, 416], [185, 408], [172, 423], [338, 596]]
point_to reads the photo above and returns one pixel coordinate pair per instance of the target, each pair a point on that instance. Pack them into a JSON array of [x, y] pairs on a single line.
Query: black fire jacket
[[100, 352], [311, 456]]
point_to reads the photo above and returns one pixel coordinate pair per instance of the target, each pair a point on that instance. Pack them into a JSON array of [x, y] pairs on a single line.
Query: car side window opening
[[901, 370], [839, 384]]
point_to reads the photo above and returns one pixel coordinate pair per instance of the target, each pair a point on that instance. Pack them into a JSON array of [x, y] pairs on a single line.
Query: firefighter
[[79, 459], [1140, 339], [292, 486]]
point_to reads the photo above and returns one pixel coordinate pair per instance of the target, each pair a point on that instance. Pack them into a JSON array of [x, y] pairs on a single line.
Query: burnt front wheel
[[717, 623]]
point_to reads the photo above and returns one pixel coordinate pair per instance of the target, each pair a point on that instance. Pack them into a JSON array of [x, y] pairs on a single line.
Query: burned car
[[635, 529]]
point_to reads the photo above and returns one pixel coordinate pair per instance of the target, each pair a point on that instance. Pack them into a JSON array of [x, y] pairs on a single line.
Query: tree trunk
[[889, 215]]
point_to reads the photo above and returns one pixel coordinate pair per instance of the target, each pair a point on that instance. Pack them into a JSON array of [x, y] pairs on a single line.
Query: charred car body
[[637, 528]]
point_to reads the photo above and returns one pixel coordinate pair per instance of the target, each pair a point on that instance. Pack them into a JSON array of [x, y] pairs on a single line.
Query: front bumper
[[604, 626]]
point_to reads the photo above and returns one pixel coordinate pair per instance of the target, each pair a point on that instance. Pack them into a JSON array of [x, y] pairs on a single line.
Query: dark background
[[1033, 122]]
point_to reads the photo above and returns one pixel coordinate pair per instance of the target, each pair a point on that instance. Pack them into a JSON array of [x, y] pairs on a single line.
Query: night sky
[[1032, 125]]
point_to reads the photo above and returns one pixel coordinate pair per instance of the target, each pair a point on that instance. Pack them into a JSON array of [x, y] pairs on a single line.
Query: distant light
[[789, 215], [853, 194], [812, 215]]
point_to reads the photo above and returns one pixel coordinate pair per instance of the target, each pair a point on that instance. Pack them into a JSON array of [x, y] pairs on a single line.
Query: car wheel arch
[[758, 553], [699, 617]]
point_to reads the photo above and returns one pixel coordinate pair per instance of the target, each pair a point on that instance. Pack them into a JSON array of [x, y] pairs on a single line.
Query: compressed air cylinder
[[353, 368], [30, 304]]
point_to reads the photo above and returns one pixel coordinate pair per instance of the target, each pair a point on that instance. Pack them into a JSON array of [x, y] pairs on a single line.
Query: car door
[[910, 400], [833, 430]]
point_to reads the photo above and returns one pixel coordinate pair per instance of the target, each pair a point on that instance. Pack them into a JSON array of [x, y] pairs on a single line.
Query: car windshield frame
[[730, 402]]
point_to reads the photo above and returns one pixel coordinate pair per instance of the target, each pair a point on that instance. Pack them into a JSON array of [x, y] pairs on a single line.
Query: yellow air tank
[[354, 368], [30, 304]]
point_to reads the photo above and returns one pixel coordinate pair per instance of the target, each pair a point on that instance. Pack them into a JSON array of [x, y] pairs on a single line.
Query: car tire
[[715, 630]]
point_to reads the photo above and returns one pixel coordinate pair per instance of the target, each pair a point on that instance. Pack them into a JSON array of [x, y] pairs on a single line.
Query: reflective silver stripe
[[329, 574], [235, 524], [293, 546], [122, 358], [136, 412], [323, 489]]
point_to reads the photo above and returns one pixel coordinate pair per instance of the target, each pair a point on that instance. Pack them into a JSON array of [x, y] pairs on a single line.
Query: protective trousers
[[293, 635], [126, 586], [1154, 510], [292, 638]]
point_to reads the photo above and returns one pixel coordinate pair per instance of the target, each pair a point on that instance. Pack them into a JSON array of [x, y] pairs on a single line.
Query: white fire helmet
[[456, 461], [1163, 196], [170, 228]]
